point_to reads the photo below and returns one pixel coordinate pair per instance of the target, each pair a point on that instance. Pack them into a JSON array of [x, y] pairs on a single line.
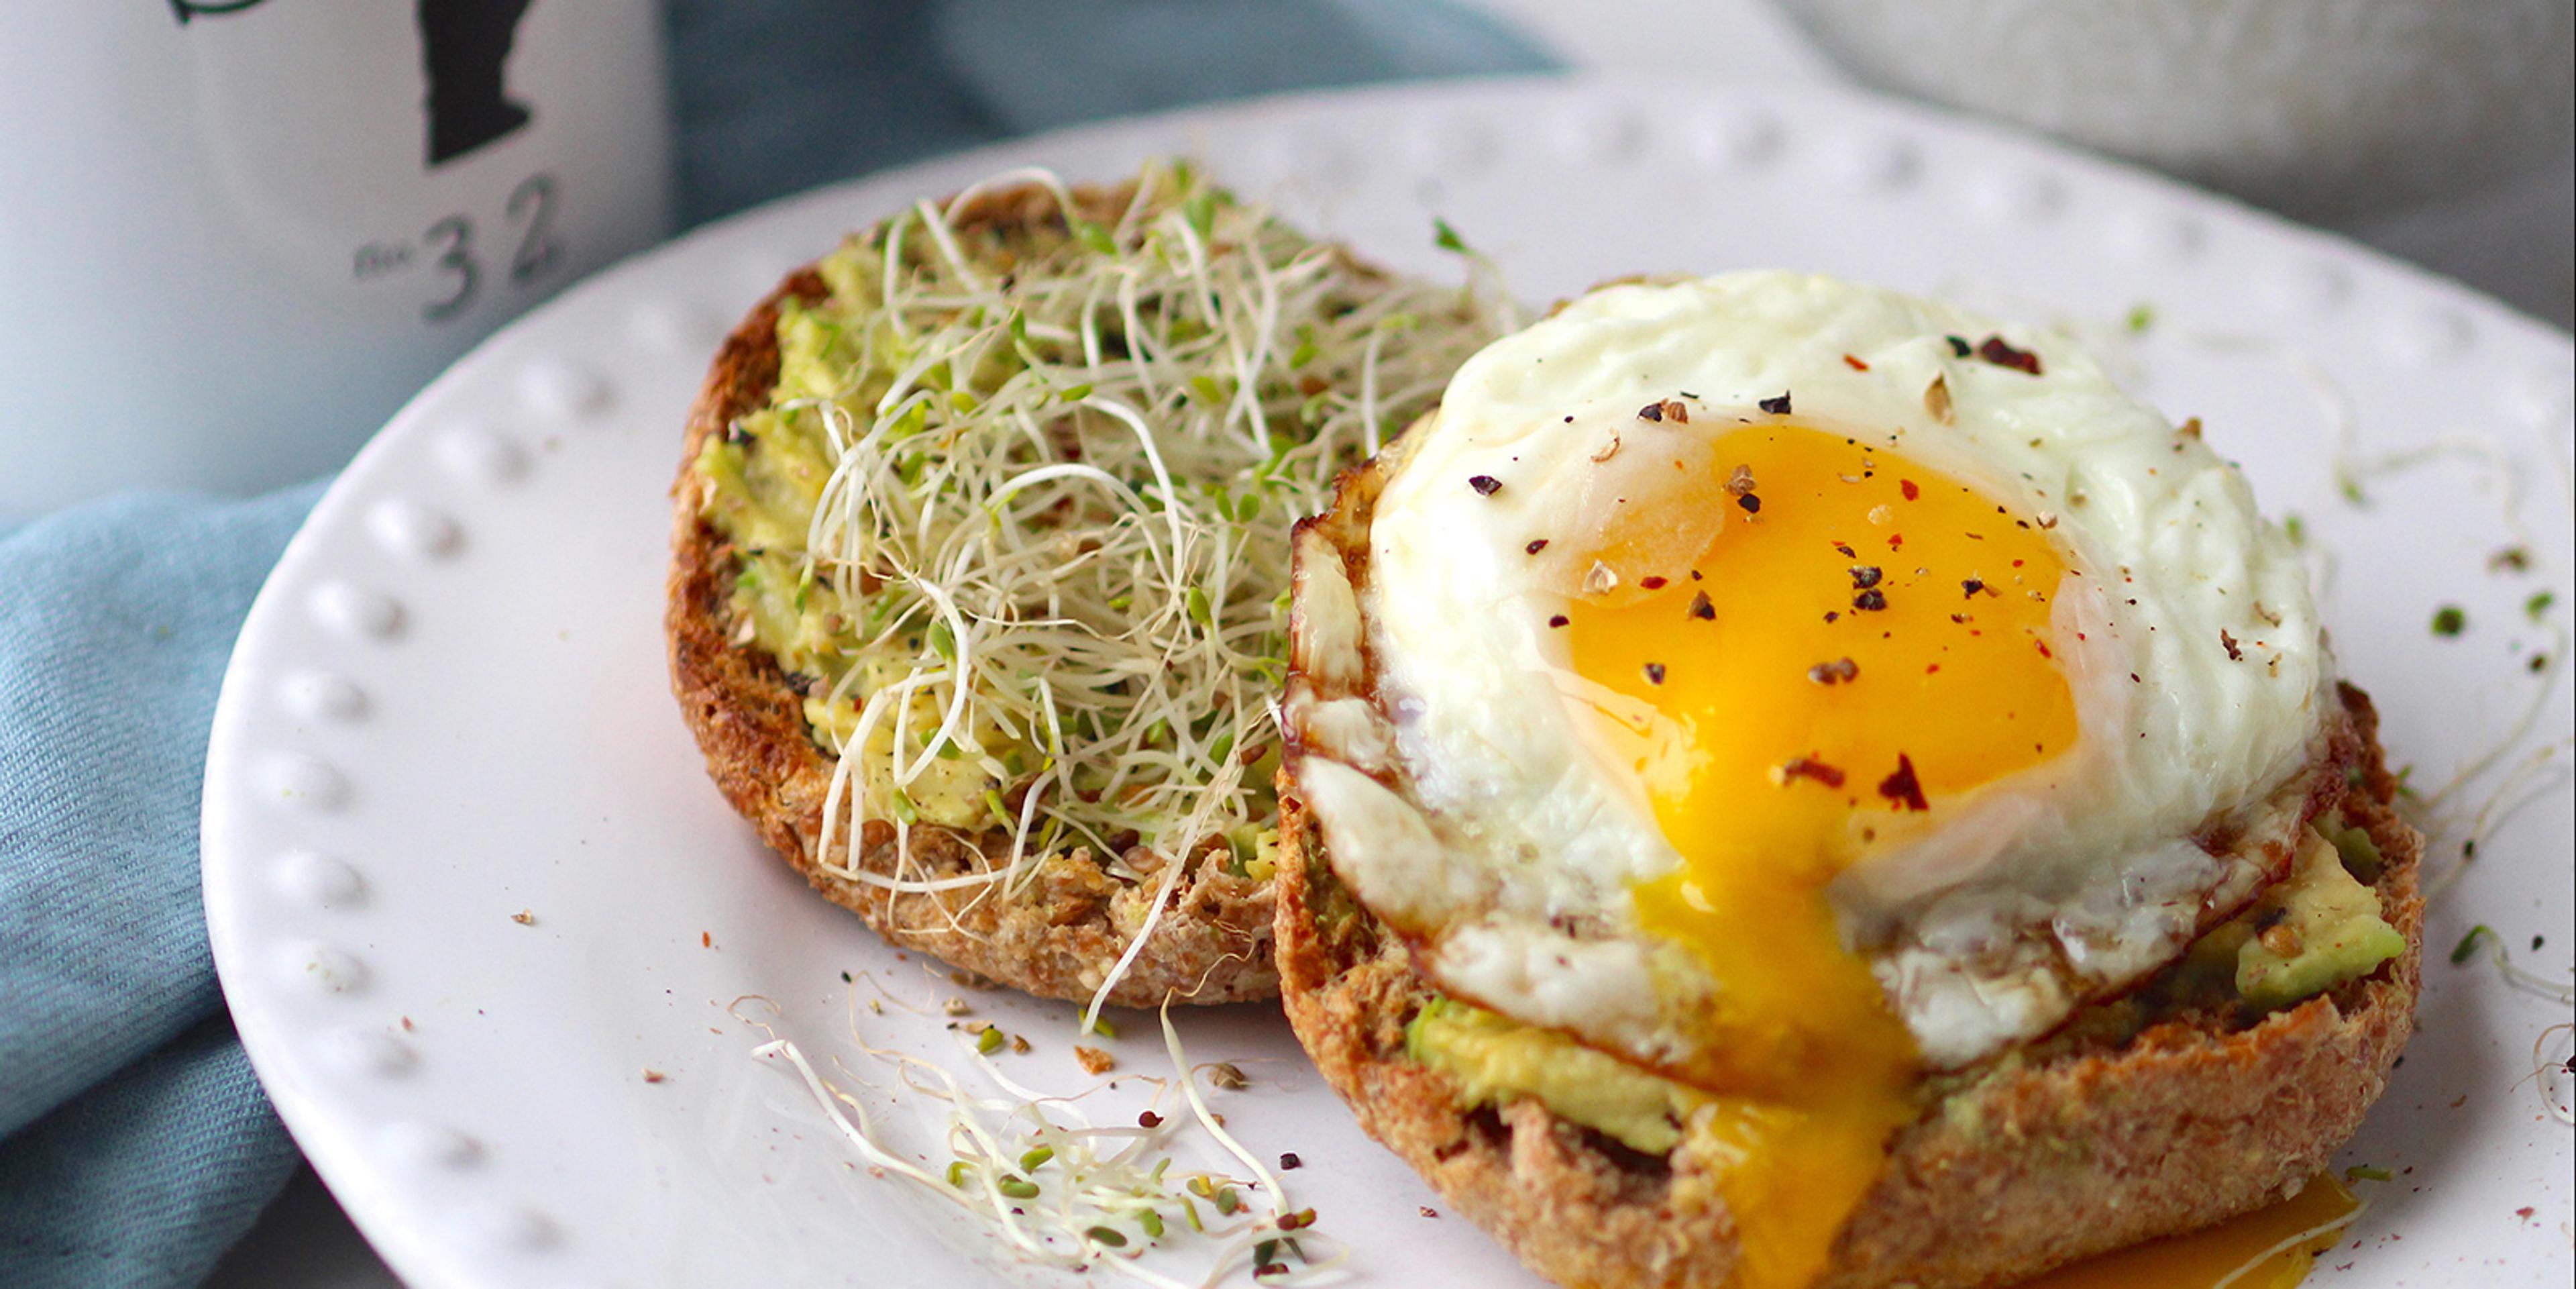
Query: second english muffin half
[[978, 591]]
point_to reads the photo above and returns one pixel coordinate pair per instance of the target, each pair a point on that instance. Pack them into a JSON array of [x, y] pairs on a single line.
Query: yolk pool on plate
[[1861, 640], [2269, 1248]]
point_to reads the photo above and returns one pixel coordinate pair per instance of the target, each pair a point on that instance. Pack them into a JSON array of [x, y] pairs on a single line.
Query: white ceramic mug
[[236, 234]]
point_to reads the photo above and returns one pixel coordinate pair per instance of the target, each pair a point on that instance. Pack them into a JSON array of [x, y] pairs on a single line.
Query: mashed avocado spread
[[2335, 933], [765, 480]]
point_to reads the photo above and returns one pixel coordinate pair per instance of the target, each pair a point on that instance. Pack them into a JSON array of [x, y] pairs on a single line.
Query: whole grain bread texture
[[1059, 935], [2142, 1117]]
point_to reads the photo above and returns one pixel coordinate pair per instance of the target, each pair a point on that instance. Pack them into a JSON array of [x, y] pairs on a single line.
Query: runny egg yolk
[[1860, 641]]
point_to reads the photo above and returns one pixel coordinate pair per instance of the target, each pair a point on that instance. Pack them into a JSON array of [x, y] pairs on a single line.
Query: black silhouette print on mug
[[465, 45], [187, 9]]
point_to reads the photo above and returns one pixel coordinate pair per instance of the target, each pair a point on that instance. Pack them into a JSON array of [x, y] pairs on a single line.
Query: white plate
[[449, 704]]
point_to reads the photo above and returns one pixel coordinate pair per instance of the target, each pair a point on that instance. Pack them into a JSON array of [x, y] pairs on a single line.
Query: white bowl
[[2324, 109]]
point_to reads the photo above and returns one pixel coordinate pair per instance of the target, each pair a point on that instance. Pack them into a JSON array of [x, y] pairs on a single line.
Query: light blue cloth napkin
[[138, 1145], [135, 1145]]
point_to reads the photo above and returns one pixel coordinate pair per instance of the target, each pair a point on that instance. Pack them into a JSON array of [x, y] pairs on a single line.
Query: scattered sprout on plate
[[1054, 1188]]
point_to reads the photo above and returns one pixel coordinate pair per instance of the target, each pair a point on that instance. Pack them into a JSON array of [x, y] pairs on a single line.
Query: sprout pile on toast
[[1010, 519]]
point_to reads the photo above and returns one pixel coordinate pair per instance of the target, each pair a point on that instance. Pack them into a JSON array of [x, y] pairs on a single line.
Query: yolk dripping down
[[1860, 639]]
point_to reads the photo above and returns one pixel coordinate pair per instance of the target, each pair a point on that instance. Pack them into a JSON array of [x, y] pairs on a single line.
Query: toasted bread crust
[[2201, 1114], [1060, 935]]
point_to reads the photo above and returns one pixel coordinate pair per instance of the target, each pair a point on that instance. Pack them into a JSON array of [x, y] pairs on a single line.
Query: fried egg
[[1791, 686]]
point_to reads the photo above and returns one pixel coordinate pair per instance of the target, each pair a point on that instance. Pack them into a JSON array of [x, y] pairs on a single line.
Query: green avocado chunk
[[2317, 929], [1495, 1059]]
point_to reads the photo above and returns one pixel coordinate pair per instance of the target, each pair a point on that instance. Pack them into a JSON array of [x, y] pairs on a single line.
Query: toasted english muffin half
[[2171, 1108], [1021, 860]]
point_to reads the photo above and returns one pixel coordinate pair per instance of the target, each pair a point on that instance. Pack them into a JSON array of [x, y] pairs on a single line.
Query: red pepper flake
[[2043, 649], [1556, 620], [1149, 1119], [1485, 485], [1654, 673], [1776, 406], [1848, 552], [1752, 504], [2228, 642], [1536, 545], [1854, 363], [1676, 412], [1652, 583], [1906, 486], [1651, 412], [1995, 351], [1902, 788], [1870, 601], [1701, 609], [1864, 576], [1800, 767], [1835, 672], [1958, 346], [1896, 541], [706, 939]]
